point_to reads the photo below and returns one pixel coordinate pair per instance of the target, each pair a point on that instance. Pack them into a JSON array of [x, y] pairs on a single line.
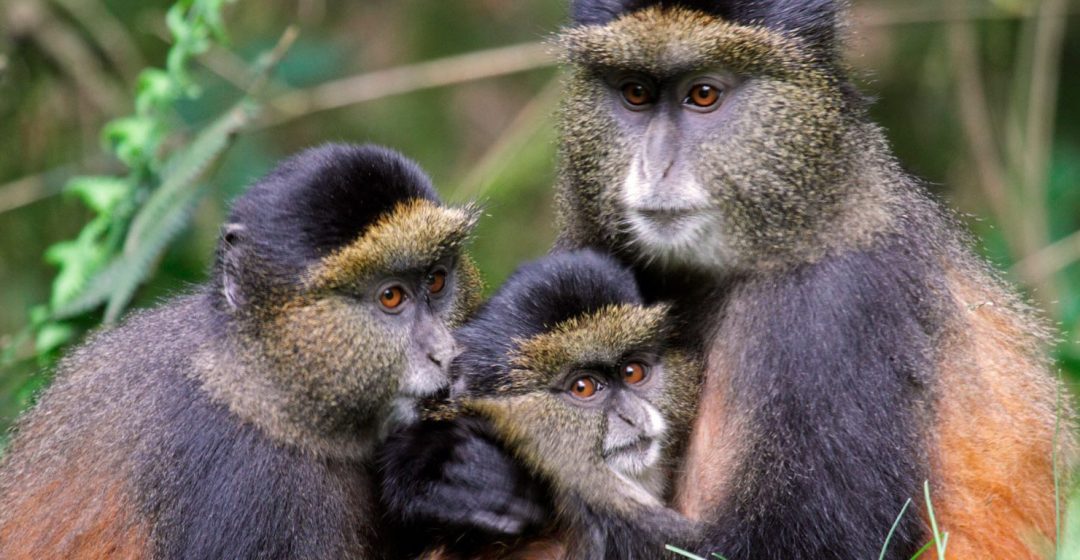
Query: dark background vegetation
[[978, 97]]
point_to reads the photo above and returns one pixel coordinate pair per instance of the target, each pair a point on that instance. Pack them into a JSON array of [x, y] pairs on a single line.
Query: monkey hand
[[454, 475]]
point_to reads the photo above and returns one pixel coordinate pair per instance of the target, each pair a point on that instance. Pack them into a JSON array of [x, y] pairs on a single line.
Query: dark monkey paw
[[455, 476]]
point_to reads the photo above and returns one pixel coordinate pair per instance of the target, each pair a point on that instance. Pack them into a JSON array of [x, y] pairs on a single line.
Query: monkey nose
[[442, 355]]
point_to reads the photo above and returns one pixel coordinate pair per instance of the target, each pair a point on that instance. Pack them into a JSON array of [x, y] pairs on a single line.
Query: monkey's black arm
[[830, 365], [643, 534], [453, 476]]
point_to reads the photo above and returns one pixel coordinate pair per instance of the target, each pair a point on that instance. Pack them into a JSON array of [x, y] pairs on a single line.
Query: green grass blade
[[892, 530], [924, 548], [682, 552], [940, 541]]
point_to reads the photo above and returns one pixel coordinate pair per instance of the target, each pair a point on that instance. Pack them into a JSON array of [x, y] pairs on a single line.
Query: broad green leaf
[[136, 266], [168, 209], [183, 168], [94, 292]]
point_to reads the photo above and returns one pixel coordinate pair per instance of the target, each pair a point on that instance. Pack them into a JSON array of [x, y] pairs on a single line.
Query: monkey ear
[[233, 239]]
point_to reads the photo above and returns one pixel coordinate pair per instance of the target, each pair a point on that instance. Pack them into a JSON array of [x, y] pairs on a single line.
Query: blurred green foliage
[[68, 67]]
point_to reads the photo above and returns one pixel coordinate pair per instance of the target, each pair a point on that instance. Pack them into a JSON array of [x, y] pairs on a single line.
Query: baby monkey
[[240, 421], [568, 370]]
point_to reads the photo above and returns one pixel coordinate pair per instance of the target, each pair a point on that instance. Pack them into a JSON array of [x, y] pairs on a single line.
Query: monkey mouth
[[633, 458], [667, 216], [667, 222], [639, 448]]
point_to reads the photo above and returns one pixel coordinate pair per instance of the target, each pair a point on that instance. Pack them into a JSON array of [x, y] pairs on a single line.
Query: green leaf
[[156, 91], [176, 20], [52, 336], [211, 12], [78, 260], [100, 194], [29, 390], [39, 315], [166, 212], [133, 139]]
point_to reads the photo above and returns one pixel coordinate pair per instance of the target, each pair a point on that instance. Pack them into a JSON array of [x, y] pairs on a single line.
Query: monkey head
[[709, 134], [569, 367], [338, 277]]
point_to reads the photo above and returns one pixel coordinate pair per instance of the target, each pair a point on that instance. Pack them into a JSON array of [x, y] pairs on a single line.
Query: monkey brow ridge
[[603, 336], [669, 41], [412, 236]]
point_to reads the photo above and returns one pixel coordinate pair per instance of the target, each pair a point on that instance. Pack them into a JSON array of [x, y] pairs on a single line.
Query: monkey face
[[693, 141], [389, 299], [633, 427], [338, 278], [582, 402]]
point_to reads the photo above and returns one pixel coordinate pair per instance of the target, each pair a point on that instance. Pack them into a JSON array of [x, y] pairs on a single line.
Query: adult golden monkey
[[854, 344], [240, 421]]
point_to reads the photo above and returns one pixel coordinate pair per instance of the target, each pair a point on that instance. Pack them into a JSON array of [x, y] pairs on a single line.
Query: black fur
[[314, 203], [602, 534], [215, 487], [451, 482], [829, 361], [535, 298], [450, 479], [814, 21]]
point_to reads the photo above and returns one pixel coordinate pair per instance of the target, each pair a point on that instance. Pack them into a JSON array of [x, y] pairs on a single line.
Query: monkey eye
[[636, 94], [391, 298], [635, 372], [703, 96], [436, 280], [585, 387]]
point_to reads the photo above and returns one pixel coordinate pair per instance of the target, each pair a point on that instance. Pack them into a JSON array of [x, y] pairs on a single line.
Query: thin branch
[[64, 45], [1048, 261], [893, 17], [227, 65], [1042, 106], [975, 119], [410, 78], [32, 188], [27, 190], [525, 125], [529, 56], [108, 32]]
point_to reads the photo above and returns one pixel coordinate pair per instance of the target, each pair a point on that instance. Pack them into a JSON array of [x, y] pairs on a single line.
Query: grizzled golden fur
[[604, 461], [238, 421], [830, 287]]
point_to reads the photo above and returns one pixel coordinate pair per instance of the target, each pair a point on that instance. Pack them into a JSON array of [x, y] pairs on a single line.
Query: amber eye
[[392, 297], [436, 281], [584, 387], [636, 94], [634, 372], [703, 95]]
